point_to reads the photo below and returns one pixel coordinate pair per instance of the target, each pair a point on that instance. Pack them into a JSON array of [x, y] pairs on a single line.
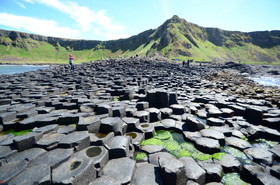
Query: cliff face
[[174, 38]]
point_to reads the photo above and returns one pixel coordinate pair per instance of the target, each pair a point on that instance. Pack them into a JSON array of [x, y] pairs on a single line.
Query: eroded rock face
[[87, 127]]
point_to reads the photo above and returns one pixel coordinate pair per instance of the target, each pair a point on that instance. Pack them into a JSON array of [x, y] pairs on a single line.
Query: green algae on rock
[[239, 155], [16, 133], [218, 155], [140, 156], [233, 179], [171, 145], [151, 141], [201, 156], [181, 153], [162, 134]]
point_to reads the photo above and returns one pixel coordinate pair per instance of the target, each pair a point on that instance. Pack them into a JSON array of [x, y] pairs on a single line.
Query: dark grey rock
[[46, 129], [28, 155], [213, 134], [229, 164], [213, 171], [53, 158], [253, 114], [11, 169], [104, 108], [165, 113], [151, 148], [260, 155], [99, 139], [118, 112], [78, 140], [26, 141], [43, 176], [7, 116], [90, 123], [177, 109], [142, 105], [132, 123], [143, 116], [273, 123], [155, 114], [146, 173], [207, 145], [276, 151], [45, 110], [118, 146], [192, 136], [238, 143], [193, 124], [112, 124], [105, 180], [121, 169], [215, 122], [66, 129], [172, 170], [50, 140], [193, 170]]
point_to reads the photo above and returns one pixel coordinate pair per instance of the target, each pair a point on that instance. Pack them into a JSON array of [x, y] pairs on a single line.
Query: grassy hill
[[175, 38]]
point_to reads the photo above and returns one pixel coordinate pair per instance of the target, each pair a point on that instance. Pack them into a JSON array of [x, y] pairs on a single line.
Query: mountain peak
[[176, 19]]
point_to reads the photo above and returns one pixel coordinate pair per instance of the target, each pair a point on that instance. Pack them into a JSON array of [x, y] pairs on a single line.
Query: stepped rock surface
[[135, 121]]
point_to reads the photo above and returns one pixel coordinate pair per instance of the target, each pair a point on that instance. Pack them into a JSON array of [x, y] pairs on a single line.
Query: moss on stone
[[162, 135], [201, 156], [232, 179], [181, 153], [140, 156], [171, 145], [189, 147], [151, 141], [218, 156], [16, 133]]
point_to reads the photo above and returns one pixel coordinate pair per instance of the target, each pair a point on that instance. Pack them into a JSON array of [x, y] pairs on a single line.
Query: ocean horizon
[[14, 69]]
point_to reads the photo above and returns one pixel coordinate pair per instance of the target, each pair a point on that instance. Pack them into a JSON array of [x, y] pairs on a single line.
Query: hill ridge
[[175, 38]]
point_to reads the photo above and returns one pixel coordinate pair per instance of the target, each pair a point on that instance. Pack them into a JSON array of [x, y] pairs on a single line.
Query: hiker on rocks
[[71, 58], [188, 63], [184, 63]]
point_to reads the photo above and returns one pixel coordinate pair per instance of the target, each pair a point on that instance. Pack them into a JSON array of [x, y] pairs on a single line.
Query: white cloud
[[38, 26], [86, 18], [20, 4]]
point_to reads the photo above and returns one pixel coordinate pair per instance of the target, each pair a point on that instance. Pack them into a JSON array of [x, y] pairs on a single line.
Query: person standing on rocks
[[71, 58]]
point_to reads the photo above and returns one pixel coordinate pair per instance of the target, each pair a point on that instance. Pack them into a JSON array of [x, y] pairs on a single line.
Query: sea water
[[13, 69], [269, 81]]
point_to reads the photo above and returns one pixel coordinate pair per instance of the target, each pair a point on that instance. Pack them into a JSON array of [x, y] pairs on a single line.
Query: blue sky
[[114, 19]]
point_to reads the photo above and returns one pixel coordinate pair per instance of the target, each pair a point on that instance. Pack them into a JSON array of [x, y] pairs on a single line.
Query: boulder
[[213, 171], [260, 155], [229, 164], [207, 145], [112, 124]]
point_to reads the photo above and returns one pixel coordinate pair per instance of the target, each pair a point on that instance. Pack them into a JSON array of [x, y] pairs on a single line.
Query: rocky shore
[[139, 121]]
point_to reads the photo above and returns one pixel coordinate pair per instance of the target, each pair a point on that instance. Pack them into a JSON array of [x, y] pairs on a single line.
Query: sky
[[115, 19]]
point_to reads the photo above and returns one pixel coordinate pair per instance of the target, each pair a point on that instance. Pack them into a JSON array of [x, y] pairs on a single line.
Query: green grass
[[16, 133]]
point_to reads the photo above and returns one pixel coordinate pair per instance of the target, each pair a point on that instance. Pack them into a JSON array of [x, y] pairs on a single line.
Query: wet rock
[[77, 140], [118, 146], [260, 155], [193, 170], [146, 173], [207, 145], [121, 170]]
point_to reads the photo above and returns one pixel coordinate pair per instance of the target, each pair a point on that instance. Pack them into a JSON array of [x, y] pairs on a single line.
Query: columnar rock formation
[[93, 125]]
